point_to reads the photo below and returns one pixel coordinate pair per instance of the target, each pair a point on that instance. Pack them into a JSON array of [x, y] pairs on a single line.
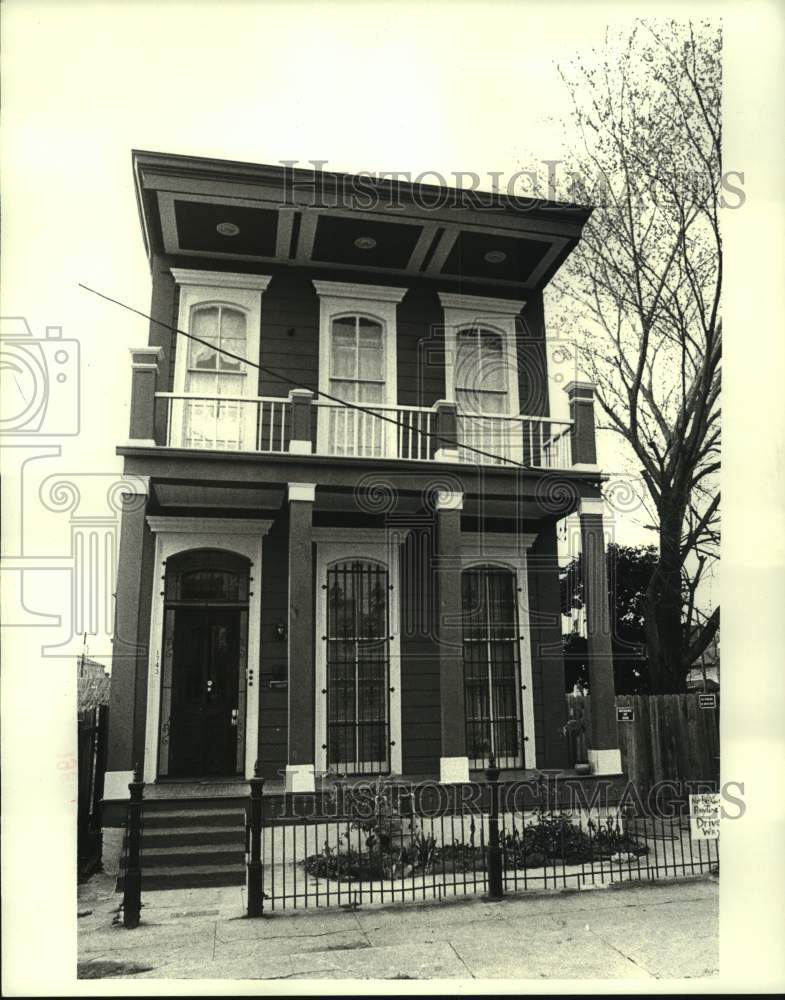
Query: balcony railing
[[227, 423], [266, 424]]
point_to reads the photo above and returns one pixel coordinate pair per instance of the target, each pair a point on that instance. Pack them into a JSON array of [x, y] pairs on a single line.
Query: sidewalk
[[662, 930]]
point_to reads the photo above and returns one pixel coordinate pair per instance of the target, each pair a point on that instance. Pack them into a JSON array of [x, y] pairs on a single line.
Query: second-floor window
[[357, 360], [223, 310], [210, 371], [481, 372], [357, 355]]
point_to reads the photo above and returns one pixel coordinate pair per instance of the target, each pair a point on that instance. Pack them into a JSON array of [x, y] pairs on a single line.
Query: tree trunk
[[664, 608]]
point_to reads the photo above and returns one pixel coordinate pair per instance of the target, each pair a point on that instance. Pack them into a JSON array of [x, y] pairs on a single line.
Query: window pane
[[344, 348], [480, 363], [467, 359], [204, 324], [232, 338], [493, 374], [370, 392], [371, 349]]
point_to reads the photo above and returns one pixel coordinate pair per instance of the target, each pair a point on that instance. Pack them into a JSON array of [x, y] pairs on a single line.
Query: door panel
[[205, 668]]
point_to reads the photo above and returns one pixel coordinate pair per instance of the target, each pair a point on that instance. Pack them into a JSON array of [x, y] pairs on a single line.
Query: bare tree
[[647, 279]]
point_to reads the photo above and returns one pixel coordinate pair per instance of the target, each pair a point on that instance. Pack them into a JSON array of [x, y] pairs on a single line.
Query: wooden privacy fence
[[669, 737]]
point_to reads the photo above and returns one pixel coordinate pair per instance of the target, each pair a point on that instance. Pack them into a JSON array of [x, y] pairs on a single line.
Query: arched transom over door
[[203, 688]]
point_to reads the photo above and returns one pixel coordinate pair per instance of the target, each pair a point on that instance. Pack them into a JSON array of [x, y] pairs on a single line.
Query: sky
[[411, 86]]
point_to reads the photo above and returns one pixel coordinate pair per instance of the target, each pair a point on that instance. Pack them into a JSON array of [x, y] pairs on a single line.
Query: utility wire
[[299, 385]]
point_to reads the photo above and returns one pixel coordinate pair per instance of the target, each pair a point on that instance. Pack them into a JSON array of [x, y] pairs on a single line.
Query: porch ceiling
[[181, 483], [257, 214]]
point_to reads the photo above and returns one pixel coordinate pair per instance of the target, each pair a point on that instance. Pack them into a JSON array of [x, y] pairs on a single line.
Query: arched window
[[357, 375], [357, 359], [209, 423], [491, 664], [209, 370], [481, 377]]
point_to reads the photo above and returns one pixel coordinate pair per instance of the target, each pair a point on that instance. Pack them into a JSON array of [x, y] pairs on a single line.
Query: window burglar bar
[[358, 668], [491, 667]]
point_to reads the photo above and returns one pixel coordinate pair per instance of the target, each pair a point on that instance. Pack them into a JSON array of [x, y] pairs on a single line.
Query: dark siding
[[163, 309], [273, 702], [290, 333], [532, 359], [420, 349], [550, 706]]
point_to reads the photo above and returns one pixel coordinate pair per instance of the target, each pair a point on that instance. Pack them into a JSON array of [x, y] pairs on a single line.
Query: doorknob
[[209, 687], [235, 715]]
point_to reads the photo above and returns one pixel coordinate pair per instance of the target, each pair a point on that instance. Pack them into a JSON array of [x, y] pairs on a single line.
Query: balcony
[[302, 425], [298, 424]]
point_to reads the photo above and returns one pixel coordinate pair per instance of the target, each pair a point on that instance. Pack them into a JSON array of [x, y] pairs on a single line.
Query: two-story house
[[339, 555]]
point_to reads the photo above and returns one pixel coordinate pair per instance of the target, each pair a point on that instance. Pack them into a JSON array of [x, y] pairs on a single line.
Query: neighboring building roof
[[91, 668], [244, 213]]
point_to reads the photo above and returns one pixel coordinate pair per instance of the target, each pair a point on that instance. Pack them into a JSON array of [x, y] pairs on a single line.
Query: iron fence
[[390, 842]]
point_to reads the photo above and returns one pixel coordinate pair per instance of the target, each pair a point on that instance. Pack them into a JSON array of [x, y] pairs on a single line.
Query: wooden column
[[454, 764], [129, 655], [302, 677], [144, 361], [301, 404], [604, 755], [583, 445], [446, 429]]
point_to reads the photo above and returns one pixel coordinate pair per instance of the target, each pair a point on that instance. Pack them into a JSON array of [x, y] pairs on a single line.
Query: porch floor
[[238, 787]]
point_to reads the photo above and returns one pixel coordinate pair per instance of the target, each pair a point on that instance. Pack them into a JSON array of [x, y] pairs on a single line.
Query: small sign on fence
[[705, 816], [707, 701], [625, 713]]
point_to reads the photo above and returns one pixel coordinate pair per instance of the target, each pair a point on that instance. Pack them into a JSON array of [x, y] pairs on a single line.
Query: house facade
[[338, 546]]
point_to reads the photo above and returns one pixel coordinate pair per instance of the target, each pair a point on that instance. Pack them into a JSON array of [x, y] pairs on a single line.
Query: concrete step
[[191, 856], [178, 818], [190, 878], [188, 845], [194, 835]]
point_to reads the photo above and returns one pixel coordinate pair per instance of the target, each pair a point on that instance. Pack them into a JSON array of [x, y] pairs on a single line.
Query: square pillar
[[446, 429], [301, 439], [604, 755], [583, 444], [302, 677], [144, 379], [454, 764], [129, 655]]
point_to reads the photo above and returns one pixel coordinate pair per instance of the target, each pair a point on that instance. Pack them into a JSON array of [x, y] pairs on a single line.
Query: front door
[[205, 706]]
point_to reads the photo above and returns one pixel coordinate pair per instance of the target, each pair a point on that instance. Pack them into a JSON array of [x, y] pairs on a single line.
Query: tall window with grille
[[358, 668], [214, 422], [491, 663], [357, 375]]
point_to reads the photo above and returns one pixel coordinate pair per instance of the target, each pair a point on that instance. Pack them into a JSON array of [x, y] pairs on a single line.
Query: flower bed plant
[[388, 854]]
